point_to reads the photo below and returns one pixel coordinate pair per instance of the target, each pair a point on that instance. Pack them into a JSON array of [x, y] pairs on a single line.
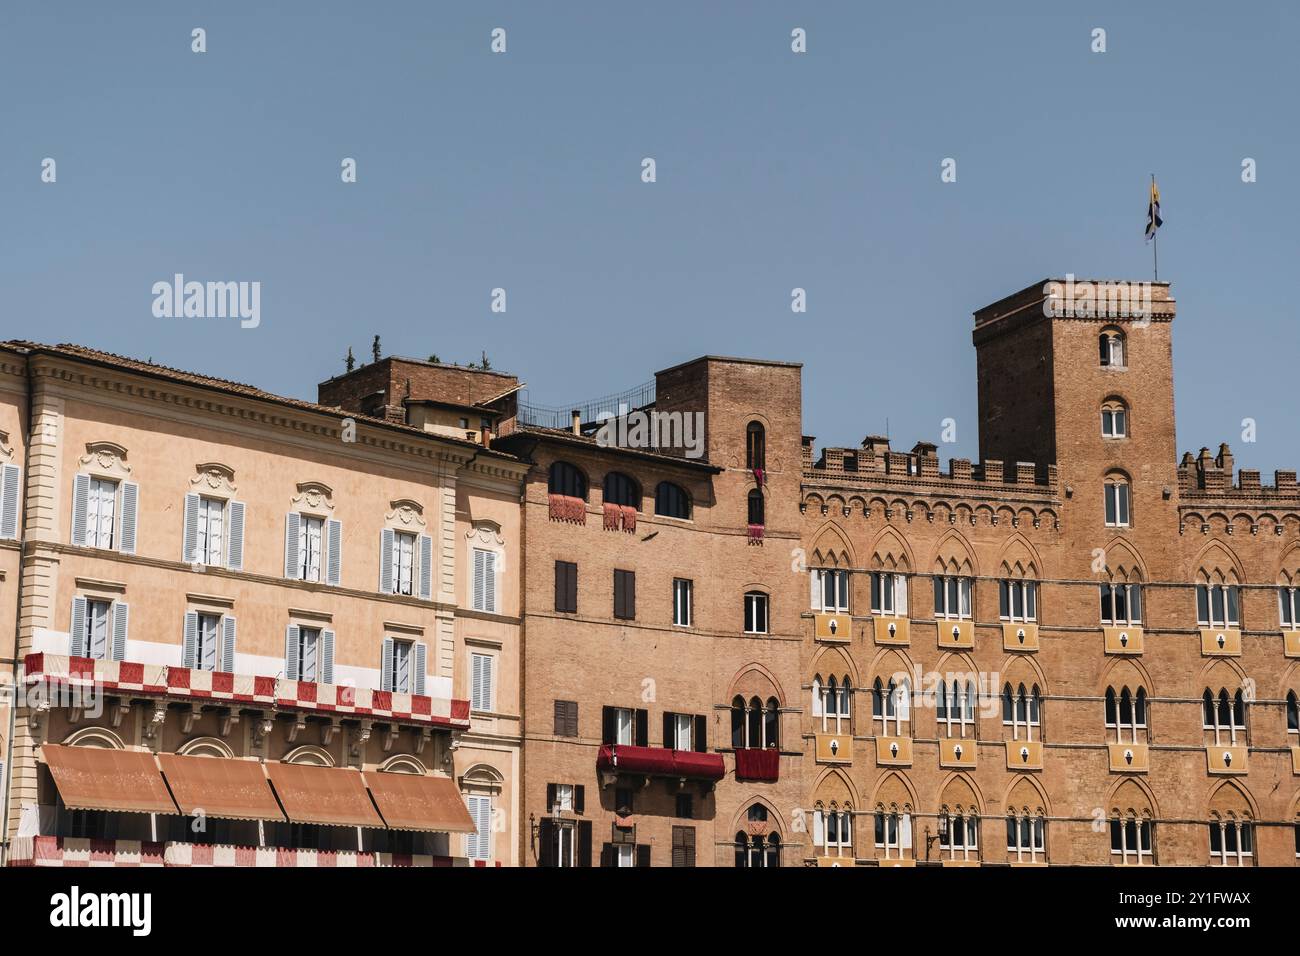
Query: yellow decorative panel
[[835, 748], [833, 627], [1221, 642], [957, 753], [1295, 760], [835, 861], [1020, 637], [1225, 760], [1024, 755], [1123, 640], [1129, 758], [956, 633], [961, 862], [894, 861], [894, 751], [1291, 643], [891, 630]]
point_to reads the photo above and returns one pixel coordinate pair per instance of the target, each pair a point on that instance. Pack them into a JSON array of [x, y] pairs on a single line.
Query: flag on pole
[[1154, 221]]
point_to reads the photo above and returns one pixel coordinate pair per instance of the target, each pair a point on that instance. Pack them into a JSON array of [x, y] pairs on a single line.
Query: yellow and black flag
[[1154, 221]]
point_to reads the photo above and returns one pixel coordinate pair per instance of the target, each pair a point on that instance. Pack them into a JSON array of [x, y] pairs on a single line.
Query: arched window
[[772, 724], [1288, 600], [1292, 714], [620, 489], [738, 722], [1126, 715], [1131, 838], [1021, 710], [836, 705], [566, 479], [1218, 602], [1121, 604], [893, 832], [959, 833], [955, 707], [1026, 836], [757, 851], [1117, 501], [833, 830], [1111, 347], [671, 501], [1018, 599], [755, 724], [1223, 716], [755, 446], [757, 513], [1114, 419], [891, 707], [1232, 840]]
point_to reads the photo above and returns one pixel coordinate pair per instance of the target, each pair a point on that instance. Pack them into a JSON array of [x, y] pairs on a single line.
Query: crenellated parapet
[[1216, 498]]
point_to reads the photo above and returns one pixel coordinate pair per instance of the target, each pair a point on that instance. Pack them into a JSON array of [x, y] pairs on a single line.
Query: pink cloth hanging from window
[[567, 508], [629, 519]]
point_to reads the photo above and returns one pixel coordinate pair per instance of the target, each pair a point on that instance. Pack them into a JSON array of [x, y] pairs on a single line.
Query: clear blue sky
[[775, 170]]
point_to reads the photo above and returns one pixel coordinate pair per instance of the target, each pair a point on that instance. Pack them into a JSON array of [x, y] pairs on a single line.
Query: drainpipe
[[18, 618]]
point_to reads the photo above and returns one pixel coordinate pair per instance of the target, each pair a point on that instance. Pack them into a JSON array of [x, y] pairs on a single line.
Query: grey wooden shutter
[[292, 559], [77, 630], [327, 657], [386, 665], [121, 617], [291, 652], [335, 567], [479, 572], [227, 662], [421, 665], [9, 502], [190, 537], [189, 646], [426, 567], [571, 718], [490, 584], [235, 537], [80, 502], [130, 505], [386, 561]]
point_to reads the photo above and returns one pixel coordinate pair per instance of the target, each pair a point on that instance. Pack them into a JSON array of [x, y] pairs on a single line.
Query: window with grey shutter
[[386, 665], [227, 644], [481, 681], [291, 651], [190, 536], [121, 617], [566, 718], [485, 580], [9, 475], [334, 567], [426, 567], [190, 641], [421, 665], [77, 628], [235, 555], [80, 508], [130, 503], [327, 657], [207, 639], [292, 552], [683, 846], [387, 543]]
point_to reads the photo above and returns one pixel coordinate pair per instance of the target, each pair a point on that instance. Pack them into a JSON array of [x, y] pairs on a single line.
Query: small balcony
[[615, 759]]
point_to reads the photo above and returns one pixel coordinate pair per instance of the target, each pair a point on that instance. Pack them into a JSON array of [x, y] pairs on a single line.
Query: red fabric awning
[[329, 795], [409, 801], [220, 787], [756, 763], [93, 778], [660, 762]]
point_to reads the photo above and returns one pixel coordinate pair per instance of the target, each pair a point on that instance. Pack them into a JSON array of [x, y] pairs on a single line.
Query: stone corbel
[[154, 722], [36, 720], [261, 729], [227, 720], [329, 731], [120, 712], [361, 738], [299, 723], [422, 736], [390, 737], [188, 717]]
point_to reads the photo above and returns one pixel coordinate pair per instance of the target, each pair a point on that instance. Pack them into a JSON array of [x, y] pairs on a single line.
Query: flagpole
[[1155, 255]]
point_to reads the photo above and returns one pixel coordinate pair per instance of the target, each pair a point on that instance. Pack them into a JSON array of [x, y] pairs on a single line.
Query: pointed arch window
[[891, 706], [1111, 348], [954, 705], [1118, 501], [1232, 841], [1114, 419], [1021, 711], [1223, 717], [1132, 840], [833, 830], [755, 446], [1126, 715], [1218, 603], [959, 833], [1026, 836]]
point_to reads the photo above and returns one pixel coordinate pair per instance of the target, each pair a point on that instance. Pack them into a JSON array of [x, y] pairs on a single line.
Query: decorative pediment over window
[[486, 532], [105, 458], [214, 477], [314, 496], [6, 451], [406, 514]]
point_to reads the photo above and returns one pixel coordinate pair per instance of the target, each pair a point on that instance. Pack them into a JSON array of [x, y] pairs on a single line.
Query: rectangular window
[[1289, 606], [624, 595], [959, 836], [1218, 605], [101, 513], [952, 597], [485, 580], [888, 593], [403, 563], [1018, 600], [481, 666], [308, 654], [755, 613], [683, 592], [1130, 841], [207, 636], [211, 531], [403, 671], [1026, 838], [685, 806], [565, 834], [99, 619], [310, 531], [624, 727], [478, 845], [563, 798], [1121, 604], [682, 727], [566, 587], [1117, 504], [566, 718], [683, 846], [625, 855]]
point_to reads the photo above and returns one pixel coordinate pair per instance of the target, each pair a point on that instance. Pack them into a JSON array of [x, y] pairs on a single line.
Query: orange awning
[[323, 795], [410, 801], [220, 787], [92, 778]]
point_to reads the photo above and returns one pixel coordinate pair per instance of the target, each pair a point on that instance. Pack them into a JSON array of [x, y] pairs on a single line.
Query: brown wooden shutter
[[559, 718], [560, 586], [642, 728], [668, 730], [572, 723], [630, 599], [550, 797], [546, 842], [701, 733], [643, 855], [579, 799], [572, 586], [607, 854], [584, 842], [608, 732], [618, 593]]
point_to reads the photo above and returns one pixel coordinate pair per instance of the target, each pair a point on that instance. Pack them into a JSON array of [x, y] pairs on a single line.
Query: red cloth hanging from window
[[755, 532], [612, 515], [567, 508], [629, 519], [758, 763]]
